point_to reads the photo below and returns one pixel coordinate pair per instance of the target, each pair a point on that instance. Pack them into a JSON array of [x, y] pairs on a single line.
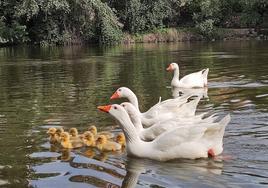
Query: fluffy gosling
[[104, 144], [95, 132], [53, 137], [89, 139], [120, 139], [66, 142]]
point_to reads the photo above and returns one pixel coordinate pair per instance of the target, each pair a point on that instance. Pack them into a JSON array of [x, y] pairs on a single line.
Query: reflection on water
[[202, 92], [61, 87], [179, 172]]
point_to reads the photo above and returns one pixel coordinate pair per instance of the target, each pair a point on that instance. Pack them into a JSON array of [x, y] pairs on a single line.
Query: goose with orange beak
[[105, 108], [116, 95], [189, 142], [193, 80], [161, 111]]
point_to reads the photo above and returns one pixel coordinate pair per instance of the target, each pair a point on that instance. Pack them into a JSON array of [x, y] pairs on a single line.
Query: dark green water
[[42, 87]]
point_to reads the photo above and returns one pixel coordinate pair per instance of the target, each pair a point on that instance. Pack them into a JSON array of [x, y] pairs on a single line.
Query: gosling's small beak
[[115, 95], [169, 68], [48, 132], [105, 108]]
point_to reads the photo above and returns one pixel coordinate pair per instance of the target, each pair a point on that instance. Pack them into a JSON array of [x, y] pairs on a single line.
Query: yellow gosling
[[58, 132], [74, 135], [66, 142], [89, 139], [120, 139], [73, 132], [104, 144], [53, 138], [95, 132]]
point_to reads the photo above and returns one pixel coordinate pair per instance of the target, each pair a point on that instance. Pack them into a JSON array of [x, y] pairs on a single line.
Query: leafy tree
[[253, 12], [59, 21], [147, 15], [11, 29], [48, 22]]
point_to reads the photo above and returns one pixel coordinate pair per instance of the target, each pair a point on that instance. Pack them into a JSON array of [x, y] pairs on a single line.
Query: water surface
[[43, 87]]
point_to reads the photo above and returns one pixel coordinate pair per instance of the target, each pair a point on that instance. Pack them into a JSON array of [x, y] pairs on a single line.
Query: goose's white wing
[[189, 108], [177, 136], [166, 125], [195, 132], [166, 106], [158, 129], [194, 79]]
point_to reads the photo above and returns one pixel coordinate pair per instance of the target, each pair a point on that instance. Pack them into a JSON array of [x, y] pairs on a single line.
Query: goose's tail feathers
[[205, 76]]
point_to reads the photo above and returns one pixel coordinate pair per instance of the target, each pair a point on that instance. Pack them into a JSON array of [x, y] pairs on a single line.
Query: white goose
[[159, 112], [190, 142], [149, 134], [196, 79]]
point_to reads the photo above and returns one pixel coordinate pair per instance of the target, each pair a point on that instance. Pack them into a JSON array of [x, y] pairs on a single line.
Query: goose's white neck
[[133, 100], [128, 128], [134, 145], [175, 80], [136, 120]]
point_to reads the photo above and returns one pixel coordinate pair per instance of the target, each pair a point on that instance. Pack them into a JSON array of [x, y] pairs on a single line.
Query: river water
[[56, 86]]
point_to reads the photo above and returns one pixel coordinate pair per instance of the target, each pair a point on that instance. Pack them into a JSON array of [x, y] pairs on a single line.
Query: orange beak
[[169, 68], [105, 108], [115, 95]]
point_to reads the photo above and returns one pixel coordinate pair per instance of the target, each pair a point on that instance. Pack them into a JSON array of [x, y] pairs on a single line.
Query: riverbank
[[190, 34], [167, 35]]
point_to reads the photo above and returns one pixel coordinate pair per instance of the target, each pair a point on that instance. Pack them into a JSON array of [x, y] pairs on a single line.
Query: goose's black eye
[[123, 105], [119, 89], [115, 107]]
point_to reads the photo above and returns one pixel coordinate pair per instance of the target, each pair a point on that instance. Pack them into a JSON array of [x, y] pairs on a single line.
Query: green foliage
[[253, 12], [147, 15], [207, 16], [108, 25], [103, 21], [13, 33], [206, 28], [135, 20], [59, 22]]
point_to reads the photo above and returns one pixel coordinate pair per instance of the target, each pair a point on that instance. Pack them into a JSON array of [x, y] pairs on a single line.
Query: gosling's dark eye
[[115, 107]]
